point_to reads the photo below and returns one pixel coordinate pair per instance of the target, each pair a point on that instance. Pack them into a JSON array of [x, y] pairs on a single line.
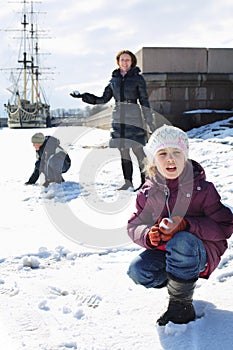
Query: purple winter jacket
[[192, 197]]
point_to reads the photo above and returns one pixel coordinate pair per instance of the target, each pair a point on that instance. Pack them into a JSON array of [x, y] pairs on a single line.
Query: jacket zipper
[[167, 194]]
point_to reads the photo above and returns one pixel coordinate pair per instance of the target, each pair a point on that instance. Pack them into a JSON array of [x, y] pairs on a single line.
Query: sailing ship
[[28, 106]]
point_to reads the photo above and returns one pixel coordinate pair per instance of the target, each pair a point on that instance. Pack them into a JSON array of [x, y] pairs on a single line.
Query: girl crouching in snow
[[181, 222]]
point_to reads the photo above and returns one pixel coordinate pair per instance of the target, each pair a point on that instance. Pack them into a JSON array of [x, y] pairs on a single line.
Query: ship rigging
[[28, 106]]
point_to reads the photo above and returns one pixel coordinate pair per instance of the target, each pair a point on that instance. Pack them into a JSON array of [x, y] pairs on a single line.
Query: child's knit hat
[[167, 136], [38, 138]]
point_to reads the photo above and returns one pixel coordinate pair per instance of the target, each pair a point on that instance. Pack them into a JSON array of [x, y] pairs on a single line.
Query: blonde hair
[[149, 168]]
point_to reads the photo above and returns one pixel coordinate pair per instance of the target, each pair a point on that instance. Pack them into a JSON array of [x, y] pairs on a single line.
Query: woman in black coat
[[131, 117]]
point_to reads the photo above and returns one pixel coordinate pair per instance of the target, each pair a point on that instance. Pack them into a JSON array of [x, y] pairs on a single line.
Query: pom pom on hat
[[38, 138], [167, 136]]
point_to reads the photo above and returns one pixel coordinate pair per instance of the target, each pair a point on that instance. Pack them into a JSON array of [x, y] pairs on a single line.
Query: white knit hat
[[167, 136]]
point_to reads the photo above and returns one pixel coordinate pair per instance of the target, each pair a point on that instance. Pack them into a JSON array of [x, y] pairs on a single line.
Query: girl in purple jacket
[[181, 222]]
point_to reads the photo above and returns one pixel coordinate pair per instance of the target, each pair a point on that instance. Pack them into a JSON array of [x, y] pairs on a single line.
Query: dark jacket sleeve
[[35, 175], [93, 99]]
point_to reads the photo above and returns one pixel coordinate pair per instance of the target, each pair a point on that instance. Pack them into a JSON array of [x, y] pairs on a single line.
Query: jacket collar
[[133, 71]]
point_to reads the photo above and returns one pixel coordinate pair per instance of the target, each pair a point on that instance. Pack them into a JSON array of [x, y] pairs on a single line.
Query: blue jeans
[[185, 258]]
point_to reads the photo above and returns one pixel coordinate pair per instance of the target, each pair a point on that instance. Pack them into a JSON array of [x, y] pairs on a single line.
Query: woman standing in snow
[[130, 119], [181, 222]]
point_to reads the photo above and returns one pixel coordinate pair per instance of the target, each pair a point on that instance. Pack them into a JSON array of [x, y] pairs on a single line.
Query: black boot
[[127, 186], [142, 181], [180, 309], [178, 312], [127, 168]]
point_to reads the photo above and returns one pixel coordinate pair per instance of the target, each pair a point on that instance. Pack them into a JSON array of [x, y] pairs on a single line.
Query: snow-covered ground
[[64, 252]]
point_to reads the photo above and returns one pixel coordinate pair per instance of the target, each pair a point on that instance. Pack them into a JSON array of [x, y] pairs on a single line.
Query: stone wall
[[184, 79]]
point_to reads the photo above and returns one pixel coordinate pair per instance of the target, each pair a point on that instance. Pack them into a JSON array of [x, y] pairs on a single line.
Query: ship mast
[[30, 55], [34, 58], [25, 61]]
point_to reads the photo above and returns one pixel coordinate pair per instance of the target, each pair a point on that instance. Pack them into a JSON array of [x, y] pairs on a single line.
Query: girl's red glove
[[169, 227], [154, 235]]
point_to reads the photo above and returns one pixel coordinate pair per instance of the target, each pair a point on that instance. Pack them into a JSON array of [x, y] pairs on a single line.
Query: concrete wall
[[183, 79], [220, 61], [172, 60], [185, 60], [100, 120]]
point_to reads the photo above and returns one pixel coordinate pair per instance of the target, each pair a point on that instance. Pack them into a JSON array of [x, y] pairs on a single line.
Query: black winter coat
[[50, 147], [129, 118]]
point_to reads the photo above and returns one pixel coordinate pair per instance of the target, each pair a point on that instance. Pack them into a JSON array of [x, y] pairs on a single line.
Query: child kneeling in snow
[[181, 222], [52, 160]]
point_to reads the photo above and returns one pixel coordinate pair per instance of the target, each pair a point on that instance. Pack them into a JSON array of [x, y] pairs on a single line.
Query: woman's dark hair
[[133, 57]]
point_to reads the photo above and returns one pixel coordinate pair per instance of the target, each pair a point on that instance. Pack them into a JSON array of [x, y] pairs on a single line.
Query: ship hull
[[31, 116]]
